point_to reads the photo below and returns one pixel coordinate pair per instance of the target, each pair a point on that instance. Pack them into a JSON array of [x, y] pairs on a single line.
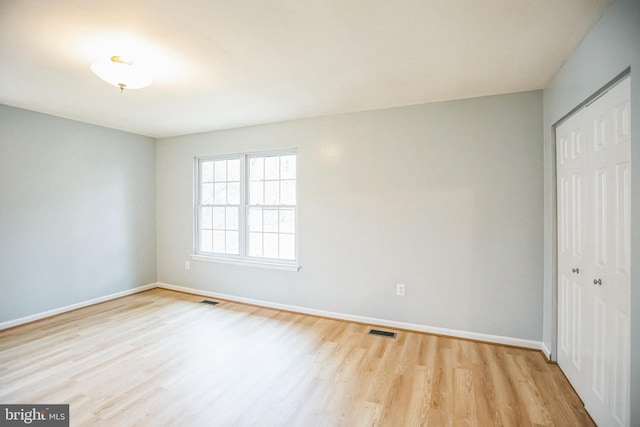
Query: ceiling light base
[[122, 73]]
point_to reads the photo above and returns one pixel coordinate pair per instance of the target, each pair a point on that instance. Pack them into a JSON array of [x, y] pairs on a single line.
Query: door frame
[[553, 351]]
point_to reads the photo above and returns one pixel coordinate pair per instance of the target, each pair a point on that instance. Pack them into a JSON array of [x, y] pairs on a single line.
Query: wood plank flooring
[[160, 358]]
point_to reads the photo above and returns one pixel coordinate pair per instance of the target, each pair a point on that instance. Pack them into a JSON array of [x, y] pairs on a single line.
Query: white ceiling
[[221, 64]]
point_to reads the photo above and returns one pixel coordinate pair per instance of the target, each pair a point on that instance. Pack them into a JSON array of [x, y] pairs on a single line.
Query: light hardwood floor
[[160, 358]]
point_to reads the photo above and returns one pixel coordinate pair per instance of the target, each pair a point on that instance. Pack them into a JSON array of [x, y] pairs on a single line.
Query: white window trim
[[241, 259], [246, 262]]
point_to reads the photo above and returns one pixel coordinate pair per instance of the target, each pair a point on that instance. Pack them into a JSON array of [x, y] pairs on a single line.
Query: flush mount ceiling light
[[121, 73]]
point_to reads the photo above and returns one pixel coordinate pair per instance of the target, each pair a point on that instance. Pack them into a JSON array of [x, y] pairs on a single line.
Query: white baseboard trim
[[494, 339], [49, 313]]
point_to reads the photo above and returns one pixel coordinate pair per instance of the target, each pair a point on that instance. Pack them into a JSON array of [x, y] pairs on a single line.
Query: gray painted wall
[[446, 198], [611, 46], [77, 212]]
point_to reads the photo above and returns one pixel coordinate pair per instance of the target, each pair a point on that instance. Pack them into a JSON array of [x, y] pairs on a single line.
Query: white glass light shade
[[124, 75]]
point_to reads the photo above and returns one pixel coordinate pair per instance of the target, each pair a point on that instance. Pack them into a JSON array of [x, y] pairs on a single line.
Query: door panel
[[577, 217], [622, 124], [563, 316], [622, 219], [576, 325], [563, 214], [599, 374], [600, 222], [620, 368]]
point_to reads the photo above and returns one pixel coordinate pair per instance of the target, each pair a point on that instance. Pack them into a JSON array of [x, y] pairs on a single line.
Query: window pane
[[256, 190], [218, 242], [221, 194], [255, 219], [207, 171], [271, 193], [219, 218], [233, 193], [256, 168], [221, 171], [255, 244], [287, 246], [288, 167], [233, 170], [270, 245], [271, 220], [287, 221], [272, 168], [232, 242], [206, 218], [206, 244], [288, 194], [207, 194], [232, 219]]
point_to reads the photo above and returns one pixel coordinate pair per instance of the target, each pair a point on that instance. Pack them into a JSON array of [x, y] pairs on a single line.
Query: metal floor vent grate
[[208, 301], [382, 333]]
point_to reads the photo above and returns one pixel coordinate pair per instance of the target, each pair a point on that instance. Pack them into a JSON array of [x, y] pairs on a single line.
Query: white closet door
[[571, 159], [594, 305], [609, 168]]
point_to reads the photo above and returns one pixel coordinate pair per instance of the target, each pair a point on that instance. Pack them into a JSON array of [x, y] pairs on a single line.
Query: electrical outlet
[[187, 265], [400, 289]]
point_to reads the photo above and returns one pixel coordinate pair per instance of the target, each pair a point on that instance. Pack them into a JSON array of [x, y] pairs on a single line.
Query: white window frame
[[242, 258]]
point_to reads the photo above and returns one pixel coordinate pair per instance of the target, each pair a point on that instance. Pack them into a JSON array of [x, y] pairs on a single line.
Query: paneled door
[[594, 232], [571, 144]]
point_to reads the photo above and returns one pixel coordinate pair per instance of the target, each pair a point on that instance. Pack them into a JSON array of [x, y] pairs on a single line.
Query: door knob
[[575, 270], [597, 281]]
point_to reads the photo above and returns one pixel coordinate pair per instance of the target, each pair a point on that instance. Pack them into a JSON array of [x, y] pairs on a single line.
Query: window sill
[[248, 263]]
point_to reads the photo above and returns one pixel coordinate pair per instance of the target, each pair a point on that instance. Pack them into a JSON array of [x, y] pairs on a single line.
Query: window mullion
[[243, 211], [198, 205]]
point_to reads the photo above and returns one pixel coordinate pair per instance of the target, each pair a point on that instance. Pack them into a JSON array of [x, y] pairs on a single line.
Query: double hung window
[[246, 207]]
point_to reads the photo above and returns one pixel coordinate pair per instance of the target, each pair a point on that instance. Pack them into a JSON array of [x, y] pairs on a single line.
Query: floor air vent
[[382, 333], [208, 301]]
